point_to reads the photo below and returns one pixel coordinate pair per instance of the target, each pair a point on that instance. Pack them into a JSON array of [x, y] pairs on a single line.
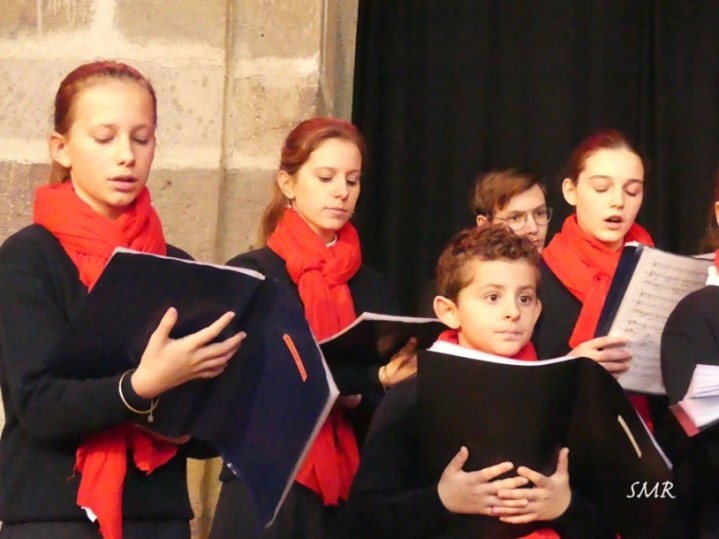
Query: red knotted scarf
[[585, 266], [89, 239], [321, 274], [526, 353]]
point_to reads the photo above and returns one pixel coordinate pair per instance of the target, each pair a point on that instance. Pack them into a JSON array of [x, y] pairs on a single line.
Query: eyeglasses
[[517, 220]]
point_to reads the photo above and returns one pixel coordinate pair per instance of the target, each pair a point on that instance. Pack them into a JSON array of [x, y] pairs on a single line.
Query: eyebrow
[[606, 177], [526, 211], [333, 169], [503, 287], [492, 285], [114, 126], [533, 288]]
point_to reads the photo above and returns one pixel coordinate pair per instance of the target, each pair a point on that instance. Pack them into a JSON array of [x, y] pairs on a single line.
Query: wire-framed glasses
[[517, 220]]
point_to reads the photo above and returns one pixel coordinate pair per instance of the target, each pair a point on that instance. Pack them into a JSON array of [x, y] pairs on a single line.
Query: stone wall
[[232, 77]]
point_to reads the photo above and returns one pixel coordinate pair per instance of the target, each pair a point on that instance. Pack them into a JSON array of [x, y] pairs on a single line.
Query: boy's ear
[[716, 211], [446, 311], [569, 190], [58, 149], [286, 184], [482, 220]]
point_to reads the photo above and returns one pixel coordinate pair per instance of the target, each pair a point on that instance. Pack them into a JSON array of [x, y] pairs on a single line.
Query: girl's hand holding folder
[[609, 351], [401, 366], [167, 362]]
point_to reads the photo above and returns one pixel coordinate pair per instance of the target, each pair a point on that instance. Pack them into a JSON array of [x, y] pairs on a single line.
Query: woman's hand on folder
[[476, 492], [167, 362], [401, 366], [609, 351], [549, 498]]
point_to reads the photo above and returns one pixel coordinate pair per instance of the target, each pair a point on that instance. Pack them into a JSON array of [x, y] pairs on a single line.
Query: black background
[[446, 89]]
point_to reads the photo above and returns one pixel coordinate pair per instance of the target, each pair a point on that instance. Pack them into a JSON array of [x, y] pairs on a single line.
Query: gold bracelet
[[153, 402], [383, 377]]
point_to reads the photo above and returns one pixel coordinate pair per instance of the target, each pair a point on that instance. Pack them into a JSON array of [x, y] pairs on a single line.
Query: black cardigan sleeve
[[36, 295], [388, 498], [560, 310]]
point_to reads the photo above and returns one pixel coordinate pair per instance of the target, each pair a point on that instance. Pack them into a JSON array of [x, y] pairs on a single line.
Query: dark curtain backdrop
[[446, 89]]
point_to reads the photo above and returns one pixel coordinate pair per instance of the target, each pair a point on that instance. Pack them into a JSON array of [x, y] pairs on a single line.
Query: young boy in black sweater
[[488, 280]]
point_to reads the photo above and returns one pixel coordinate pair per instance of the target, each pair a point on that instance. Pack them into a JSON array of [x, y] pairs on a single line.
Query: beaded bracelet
[[153, 402]]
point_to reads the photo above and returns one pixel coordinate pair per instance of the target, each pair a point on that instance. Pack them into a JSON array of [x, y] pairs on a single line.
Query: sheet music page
[[659, 282], [704, 383]]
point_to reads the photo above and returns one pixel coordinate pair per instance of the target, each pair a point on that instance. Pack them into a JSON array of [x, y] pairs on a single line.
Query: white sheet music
[[659, 282], [701, 403]]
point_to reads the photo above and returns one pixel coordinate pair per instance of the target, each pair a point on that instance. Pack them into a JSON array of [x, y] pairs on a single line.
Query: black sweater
[[45, 417], [560, 310]]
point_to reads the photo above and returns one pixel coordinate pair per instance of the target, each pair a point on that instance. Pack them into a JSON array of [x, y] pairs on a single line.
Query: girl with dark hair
[[605, 183], [65, 445], [312, 249]]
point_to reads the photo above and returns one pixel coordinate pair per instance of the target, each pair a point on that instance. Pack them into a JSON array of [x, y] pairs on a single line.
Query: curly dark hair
[[486, 243]]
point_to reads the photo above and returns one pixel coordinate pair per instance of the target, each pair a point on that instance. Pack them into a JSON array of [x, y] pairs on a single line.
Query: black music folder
[[263, 412], [376, 337], [525, 412]]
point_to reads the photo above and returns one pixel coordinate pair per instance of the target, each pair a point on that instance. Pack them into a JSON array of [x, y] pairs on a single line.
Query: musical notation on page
[[658, 281]]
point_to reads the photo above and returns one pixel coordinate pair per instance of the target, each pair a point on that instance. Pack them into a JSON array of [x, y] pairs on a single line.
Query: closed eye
[[634, 190]]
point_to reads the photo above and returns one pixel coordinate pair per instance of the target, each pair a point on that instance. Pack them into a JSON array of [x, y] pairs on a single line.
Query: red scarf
[[585, 266], [527, 353], [321, 274], [89, 239]]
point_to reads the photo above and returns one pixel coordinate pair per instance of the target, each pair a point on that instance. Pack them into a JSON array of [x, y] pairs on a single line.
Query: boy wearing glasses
[[516, 199], [510, 197]]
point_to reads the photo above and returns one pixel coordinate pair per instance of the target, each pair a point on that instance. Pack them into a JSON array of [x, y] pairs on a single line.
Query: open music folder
[[525, 412], [263, 412], [375, 337], [646, 287]]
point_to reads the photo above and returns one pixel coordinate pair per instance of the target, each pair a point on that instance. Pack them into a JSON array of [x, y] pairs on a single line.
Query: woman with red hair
[[102, 147], [312, 249]]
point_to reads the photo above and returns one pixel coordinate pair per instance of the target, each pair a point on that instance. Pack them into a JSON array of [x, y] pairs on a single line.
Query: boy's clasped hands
[[527, 497]]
